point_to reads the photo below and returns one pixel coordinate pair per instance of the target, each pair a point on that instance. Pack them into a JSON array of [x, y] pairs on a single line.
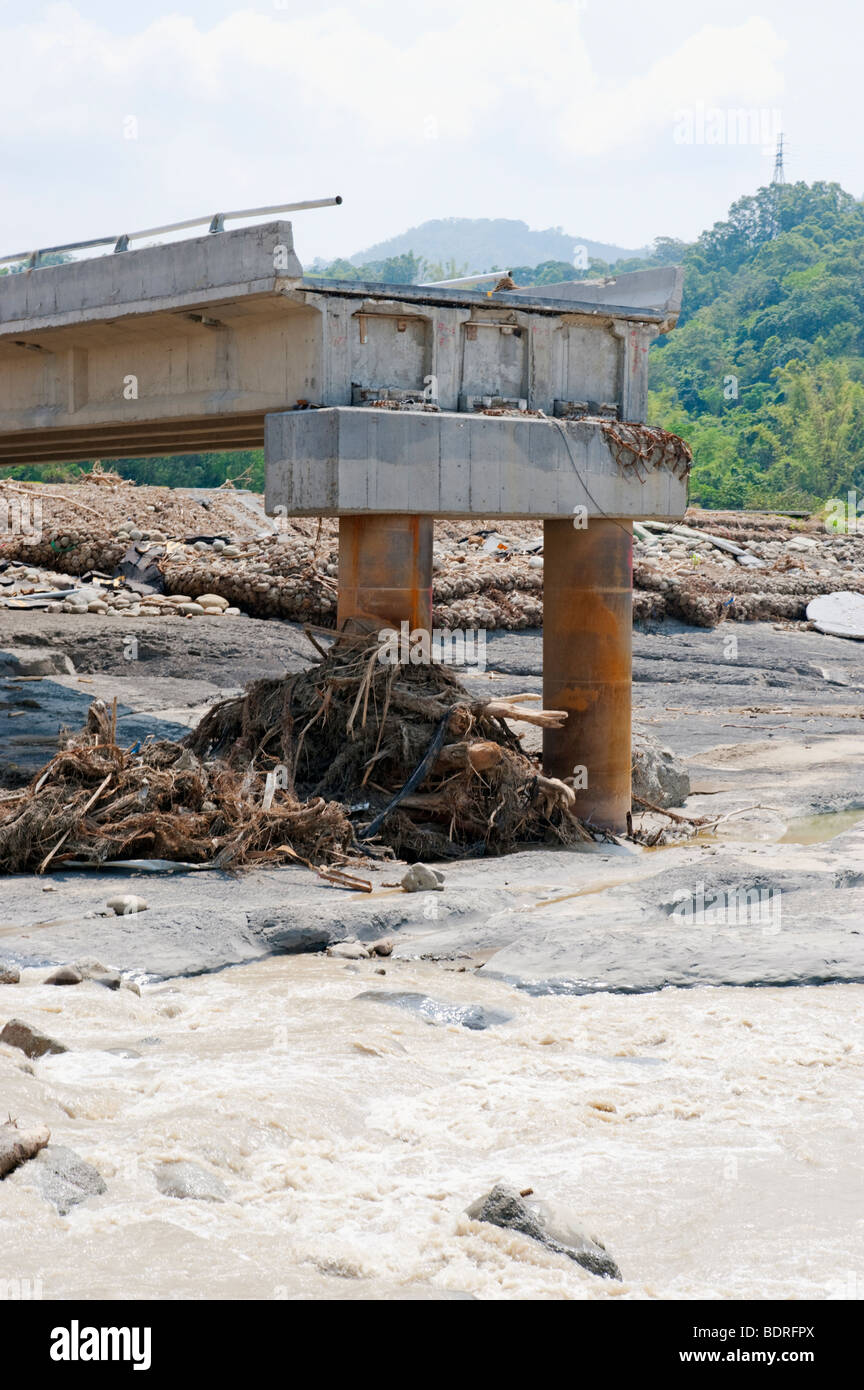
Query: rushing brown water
[[707, 1136]]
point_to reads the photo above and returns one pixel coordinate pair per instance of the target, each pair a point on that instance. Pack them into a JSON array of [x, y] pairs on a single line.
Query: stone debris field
[[107, 546]]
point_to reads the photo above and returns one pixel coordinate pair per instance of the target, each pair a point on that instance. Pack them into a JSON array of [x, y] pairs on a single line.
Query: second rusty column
[[587, 655]]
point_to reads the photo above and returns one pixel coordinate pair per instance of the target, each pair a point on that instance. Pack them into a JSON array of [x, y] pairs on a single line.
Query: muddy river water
[[705, 1135]]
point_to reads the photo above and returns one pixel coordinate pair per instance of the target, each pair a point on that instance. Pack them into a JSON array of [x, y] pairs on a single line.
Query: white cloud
[[64, 73], [714, 68], [468, 107]]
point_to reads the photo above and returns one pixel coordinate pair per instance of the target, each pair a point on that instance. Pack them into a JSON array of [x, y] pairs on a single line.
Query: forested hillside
[[764, 375]]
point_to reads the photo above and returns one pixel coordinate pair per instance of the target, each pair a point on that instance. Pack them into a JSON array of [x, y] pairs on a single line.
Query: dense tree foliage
[[244, 467], [406, 269], [764, 375]]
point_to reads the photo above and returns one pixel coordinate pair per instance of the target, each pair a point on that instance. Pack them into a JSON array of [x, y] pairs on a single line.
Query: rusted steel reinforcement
[[644, 447]]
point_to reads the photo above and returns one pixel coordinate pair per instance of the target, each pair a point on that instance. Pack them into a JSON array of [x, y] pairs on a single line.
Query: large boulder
[[658, 776], [64, 1178], [34, 661], [188, 1180], [420, 879], [126, 903], [29, 1040], [92, 969], [551, 1224], [473, 1016], [64, 975]]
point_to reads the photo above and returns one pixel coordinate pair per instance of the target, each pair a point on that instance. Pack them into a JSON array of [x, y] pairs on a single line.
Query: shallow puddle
[[815, 830]]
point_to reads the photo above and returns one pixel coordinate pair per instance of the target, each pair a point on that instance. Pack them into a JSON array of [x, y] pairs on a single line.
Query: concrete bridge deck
[[188, 346]]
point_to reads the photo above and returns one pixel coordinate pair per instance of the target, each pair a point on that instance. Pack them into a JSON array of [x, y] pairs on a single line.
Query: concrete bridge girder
[[108, 356]]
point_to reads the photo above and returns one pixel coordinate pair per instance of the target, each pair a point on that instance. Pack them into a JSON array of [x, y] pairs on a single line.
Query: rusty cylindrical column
[[587, 647], [385, 570]]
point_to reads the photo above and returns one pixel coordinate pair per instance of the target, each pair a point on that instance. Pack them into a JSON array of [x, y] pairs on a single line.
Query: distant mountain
[[483, 243]]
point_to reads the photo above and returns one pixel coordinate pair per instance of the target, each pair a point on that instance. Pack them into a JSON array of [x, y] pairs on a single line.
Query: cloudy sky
[[614, 119]]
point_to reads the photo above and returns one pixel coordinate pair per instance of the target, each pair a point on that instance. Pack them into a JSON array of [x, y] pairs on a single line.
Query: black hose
[[435, 745]]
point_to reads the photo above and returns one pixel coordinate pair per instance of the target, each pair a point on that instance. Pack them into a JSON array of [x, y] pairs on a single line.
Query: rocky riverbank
[[107, 547], [770, 737]]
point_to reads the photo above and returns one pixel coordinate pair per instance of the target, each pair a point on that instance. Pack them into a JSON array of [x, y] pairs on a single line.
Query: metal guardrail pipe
[[121, 243], [463, 280]]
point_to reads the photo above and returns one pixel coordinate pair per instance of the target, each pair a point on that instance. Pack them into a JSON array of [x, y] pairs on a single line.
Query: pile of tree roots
[[350, 759]]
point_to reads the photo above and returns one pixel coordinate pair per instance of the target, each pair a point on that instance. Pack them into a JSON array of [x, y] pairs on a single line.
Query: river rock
[[548, 1223], [64, 1178], [65, 975], [34, 661], [212, 601], [421, 879], [18, 1145], [125, 904], [658, 776], [9, 974], [472, 1016], [188, 1180], [349, 950], [29, 1040], [94, 970]]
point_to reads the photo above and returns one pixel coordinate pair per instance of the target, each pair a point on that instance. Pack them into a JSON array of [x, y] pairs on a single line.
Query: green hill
[[764, 376]]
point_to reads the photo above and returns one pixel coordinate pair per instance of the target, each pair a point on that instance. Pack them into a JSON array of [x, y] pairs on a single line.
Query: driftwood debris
[[350, 758]]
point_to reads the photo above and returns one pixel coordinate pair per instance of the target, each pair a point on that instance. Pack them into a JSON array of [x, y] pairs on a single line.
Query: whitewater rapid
[[707, 1136]]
